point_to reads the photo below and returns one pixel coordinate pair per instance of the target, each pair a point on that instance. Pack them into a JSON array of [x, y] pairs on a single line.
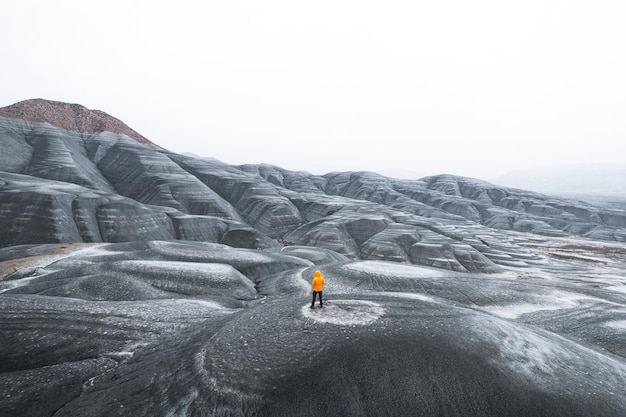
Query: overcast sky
[[403, 88]]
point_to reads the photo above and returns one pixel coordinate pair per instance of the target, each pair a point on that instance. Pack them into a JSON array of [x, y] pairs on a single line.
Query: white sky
[[404, 88]]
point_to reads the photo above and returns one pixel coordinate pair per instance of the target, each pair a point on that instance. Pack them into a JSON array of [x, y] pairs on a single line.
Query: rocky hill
[[137, 281], [74, 117], [86, 183]]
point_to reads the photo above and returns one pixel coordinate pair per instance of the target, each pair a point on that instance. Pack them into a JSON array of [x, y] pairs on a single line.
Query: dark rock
[[247, 238], [107, 187], [136, 281], [410, 340]]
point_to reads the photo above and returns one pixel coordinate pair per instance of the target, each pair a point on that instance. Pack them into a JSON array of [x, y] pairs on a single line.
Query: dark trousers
[[314, 294]]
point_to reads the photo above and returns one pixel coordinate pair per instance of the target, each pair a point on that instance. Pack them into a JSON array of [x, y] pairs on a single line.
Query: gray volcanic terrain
[[135, 281]]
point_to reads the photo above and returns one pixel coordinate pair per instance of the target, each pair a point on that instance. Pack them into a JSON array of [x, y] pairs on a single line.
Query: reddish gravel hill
[[70, 117]]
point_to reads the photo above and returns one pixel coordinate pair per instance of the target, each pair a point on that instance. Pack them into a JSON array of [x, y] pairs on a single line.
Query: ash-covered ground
[[202, 329]]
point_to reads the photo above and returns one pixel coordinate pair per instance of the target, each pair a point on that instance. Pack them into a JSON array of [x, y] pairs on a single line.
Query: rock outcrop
[[137, 281], [93, 180]]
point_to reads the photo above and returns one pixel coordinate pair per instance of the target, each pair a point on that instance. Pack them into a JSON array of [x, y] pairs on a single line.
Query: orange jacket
[[318, 282]]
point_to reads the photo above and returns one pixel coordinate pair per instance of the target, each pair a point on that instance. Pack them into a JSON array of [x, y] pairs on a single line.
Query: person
[[318, 284]]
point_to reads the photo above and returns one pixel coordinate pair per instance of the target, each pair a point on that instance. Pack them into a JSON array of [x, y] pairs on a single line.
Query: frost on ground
[[541, 357], [345, 312], [522, 341], [618, 324], [394, 269], [557, 300]]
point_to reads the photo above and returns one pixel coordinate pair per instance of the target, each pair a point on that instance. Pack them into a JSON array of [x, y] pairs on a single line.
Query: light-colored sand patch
[[345, 312]]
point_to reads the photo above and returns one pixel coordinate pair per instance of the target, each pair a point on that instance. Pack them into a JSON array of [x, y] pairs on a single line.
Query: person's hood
[[318, 274]]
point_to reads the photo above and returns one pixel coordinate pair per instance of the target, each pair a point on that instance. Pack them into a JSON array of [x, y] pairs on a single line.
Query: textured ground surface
[[139, 282], [184, 328]]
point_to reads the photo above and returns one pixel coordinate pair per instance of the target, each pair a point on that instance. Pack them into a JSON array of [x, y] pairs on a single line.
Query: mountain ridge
[[104, 188], [129, 273], [594, 181]]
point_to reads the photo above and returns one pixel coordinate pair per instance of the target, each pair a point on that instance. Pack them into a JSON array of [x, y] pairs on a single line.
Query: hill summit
[[69, 116]]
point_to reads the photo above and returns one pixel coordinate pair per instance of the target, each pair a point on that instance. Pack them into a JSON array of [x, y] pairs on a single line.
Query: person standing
[[318, 285]]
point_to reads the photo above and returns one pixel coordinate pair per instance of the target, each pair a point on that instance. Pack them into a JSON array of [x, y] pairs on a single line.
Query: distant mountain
[[594, 182]]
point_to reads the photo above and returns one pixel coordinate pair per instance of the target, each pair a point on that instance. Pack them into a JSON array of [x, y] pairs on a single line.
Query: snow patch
[[532, 354], [119, 356], [181, 408], [179, 266], [224, 253], [94, 250], [618, 324], [302, 282], [16, 283], [413, 296], [38, 263], [617, 288], [557, 301], [389, 268], [205, 303], [345, 312], [515, 311]]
